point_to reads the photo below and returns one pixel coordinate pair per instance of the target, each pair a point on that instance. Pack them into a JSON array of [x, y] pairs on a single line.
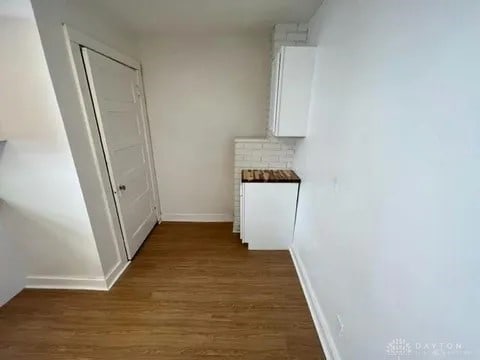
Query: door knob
[[122, 187]]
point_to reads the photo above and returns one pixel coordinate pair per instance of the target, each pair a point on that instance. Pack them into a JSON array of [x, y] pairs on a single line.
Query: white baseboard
[[198, 217], [115, 273], [319, 320], [72, 283], [77, 283]]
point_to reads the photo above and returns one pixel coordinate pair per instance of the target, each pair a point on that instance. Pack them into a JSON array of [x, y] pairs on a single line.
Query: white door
[[116, 95]]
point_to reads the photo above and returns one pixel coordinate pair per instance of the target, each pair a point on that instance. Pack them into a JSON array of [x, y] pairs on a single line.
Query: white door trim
[[78, 38], [82, 39], [99, 160], [148, 139], [74, 39]]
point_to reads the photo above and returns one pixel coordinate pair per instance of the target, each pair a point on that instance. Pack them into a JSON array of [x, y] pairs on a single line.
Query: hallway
[[192, 292]]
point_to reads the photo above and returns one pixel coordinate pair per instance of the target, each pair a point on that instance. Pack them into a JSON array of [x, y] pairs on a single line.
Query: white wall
[[12, 265], [85, 17], [44, 216], [202, 92], [388, 221]]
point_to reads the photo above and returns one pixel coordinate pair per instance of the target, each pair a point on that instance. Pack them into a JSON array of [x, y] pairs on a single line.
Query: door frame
[[75, 41]]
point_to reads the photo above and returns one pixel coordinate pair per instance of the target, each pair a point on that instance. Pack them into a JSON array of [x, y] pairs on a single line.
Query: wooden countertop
[[269, 176]]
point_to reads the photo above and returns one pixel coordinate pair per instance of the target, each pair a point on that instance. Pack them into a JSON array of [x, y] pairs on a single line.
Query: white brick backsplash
[[242, 151], [289, 42], [285, 28], [258, 153], [268, 152], [297, 36], [270, 158], [257, 164], [262, 153], [274, 146], [280, 36], [277, 165], [288, 34], [302, 27], [287, 147], [253, 158], [250, 145], [284, 159]]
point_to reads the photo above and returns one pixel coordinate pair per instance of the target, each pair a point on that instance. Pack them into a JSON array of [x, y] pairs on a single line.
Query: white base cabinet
[[267, 214]]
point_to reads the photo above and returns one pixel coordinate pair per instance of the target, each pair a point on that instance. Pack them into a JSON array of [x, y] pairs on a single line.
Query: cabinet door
[[291, 90], [274, 93], [269, 215], [242, 215]]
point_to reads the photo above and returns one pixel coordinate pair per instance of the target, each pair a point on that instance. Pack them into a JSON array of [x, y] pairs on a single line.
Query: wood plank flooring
[[192, 292]]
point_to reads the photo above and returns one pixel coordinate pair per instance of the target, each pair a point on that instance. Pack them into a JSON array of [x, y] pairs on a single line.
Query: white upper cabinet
[[292, 74]]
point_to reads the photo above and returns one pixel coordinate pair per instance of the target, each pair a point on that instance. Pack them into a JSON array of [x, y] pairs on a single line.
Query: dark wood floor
[[192, 292]]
